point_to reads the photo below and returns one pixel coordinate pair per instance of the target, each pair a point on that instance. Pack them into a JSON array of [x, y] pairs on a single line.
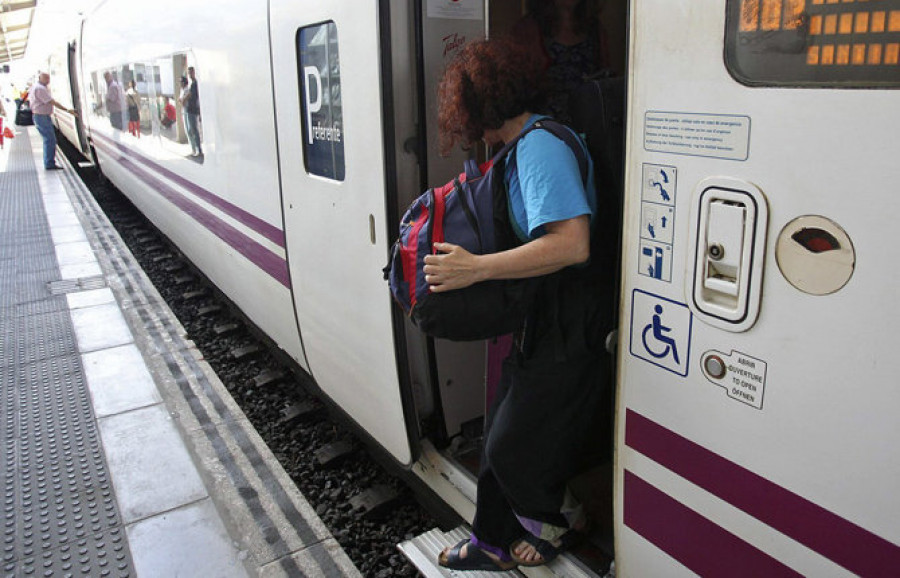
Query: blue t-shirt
[[546, 184]]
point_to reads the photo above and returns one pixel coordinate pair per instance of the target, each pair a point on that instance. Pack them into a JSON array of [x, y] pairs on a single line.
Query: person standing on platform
[[42, 104], [115, 99], [134, 109]]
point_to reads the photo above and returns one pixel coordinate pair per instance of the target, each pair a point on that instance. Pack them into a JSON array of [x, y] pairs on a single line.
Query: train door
[[327, 74], [757, 402], [73, 58]]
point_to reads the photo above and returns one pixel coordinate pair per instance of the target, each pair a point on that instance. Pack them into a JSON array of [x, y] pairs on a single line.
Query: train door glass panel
[[320, 78], [814, 43]]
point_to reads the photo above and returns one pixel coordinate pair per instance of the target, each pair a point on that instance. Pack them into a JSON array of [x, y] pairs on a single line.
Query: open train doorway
[[466, 375]]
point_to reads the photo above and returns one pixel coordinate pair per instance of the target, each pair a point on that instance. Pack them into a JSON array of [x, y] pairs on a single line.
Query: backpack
[[471, 211]]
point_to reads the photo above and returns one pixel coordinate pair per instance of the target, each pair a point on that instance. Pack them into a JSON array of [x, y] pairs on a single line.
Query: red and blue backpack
[[471, 211]]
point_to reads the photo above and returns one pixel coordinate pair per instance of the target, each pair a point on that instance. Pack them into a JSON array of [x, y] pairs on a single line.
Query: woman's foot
[[467, 556], [526, 553], [533, 551]]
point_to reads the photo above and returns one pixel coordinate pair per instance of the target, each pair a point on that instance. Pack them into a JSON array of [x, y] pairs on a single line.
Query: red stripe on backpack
[[410, 254]]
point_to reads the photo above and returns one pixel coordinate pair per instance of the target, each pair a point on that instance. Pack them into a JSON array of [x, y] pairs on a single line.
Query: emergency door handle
[[728, 227]]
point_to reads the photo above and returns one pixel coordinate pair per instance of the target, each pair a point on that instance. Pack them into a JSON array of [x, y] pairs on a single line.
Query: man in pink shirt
[[42, 104]]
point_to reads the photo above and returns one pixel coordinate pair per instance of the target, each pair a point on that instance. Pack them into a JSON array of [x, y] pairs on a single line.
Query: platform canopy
[[15, 26]]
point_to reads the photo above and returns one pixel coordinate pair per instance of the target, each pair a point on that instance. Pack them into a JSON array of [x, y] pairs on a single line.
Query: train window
[[320, 100], [815, 43]]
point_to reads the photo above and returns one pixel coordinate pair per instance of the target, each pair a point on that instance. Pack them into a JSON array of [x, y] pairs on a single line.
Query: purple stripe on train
[[701, 545], [260, 256], [835, 538], [268, 231]]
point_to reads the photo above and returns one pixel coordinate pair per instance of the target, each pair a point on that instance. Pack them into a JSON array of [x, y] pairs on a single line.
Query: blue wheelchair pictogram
[[661, 332], [662, 344]]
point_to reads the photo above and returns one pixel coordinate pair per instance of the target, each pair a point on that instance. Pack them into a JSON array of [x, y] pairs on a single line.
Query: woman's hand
[[565, 243], [454, 268]]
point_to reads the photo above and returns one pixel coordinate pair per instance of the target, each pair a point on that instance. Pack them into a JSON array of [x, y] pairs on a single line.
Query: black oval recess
[[816, 240]]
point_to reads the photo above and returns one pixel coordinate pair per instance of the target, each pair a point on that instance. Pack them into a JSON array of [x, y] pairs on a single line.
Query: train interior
[[463, 376]]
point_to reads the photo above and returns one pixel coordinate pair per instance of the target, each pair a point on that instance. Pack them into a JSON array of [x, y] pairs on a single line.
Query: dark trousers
[[536, 434]]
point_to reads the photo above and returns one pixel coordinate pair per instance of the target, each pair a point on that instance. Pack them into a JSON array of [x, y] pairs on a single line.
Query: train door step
[[269, 377], [422, 552], [375, 501]]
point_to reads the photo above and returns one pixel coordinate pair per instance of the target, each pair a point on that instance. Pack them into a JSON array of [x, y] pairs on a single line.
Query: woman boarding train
[[550, 389]]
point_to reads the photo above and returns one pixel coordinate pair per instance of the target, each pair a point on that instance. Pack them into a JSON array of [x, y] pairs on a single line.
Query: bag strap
[[472, 169], [564, 134], [560, 131]]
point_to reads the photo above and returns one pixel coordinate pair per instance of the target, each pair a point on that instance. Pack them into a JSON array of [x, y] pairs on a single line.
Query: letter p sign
[[312, 74]]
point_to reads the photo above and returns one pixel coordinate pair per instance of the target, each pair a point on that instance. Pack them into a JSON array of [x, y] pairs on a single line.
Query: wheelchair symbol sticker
[[661, 331]]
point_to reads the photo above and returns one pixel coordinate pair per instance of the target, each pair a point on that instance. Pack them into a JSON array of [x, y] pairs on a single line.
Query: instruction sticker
[[456, 9], [657, 221], [718, 136], [741, 376], [655, 260], [661, 331]]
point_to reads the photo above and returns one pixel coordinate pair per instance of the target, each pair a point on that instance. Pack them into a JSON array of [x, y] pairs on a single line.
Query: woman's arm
[[565, 243]]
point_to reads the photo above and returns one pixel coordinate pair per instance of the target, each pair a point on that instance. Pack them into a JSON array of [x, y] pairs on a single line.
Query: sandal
[[475, 559], [547, 550]]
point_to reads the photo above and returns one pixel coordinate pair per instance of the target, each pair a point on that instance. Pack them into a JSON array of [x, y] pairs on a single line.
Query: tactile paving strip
[[60, 516]]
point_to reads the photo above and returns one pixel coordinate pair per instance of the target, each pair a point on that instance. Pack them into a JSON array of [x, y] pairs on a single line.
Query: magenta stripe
[[839, 540], [260, 256], [704, 547], [268, 231]]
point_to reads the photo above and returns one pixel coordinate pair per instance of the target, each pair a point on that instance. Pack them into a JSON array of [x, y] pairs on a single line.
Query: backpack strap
[[563, 133], [472, 169]]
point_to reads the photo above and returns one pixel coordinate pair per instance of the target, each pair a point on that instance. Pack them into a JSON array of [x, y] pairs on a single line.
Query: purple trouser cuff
[[498, 552]]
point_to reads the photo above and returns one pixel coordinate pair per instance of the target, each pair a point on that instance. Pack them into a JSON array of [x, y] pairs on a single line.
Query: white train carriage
[[755, 406]]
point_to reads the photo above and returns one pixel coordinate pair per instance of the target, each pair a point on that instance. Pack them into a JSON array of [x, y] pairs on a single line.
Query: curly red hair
[[489, 82]]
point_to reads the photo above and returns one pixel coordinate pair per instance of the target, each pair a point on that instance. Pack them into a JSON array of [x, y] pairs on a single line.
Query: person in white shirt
[[42, 104]]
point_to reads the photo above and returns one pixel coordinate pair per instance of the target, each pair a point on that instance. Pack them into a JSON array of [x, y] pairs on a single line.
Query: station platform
[[123, 455]]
